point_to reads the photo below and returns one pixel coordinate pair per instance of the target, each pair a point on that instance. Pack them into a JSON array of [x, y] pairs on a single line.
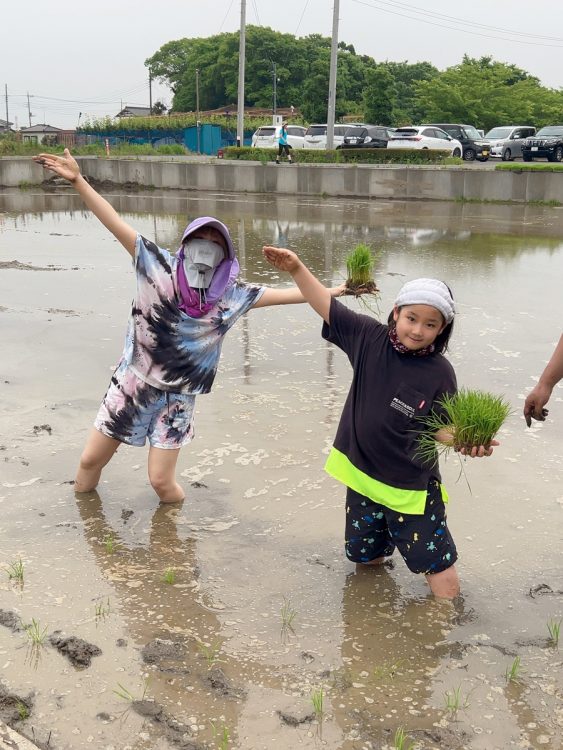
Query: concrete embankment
[[346, 180]]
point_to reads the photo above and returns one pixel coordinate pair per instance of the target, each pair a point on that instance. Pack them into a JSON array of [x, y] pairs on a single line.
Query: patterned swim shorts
[[133, 411], [424, 541]]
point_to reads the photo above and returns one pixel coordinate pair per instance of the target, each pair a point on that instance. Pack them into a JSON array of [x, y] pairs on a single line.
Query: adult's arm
[[540, 395], [67, 168]]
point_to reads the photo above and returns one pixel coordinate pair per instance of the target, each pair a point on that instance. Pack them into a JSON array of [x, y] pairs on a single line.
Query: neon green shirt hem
[[412, 502]]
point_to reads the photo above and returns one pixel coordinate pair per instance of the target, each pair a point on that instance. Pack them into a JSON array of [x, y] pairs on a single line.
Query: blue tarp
[[211, 138]]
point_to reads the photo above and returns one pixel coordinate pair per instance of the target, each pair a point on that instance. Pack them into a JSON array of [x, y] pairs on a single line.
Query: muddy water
[[263, 611]]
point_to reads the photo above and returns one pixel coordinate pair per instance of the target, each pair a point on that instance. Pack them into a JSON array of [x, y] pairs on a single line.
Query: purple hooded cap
[[209, 221], [226, 272]]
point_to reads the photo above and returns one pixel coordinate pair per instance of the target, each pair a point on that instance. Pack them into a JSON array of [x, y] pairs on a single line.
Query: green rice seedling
[[386, 670], [169, 576], [359, 267], [15, 571], [110, 543], [210, 652], [454, 701], [554, 627], [221, 736], [402, 740], [126, 695], [23, 710], [102, 610], [34, 632], [288, 615], [317, 699], [471, 417], [512, 672]]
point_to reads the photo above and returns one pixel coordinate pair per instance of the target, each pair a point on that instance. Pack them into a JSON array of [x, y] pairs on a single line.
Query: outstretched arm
[[292, 296], [315, 293], [538, 398], [66, 166]]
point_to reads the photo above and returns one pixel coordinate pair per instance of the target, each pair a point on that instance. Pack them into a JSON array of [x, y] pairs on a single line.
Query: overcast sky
[[74, 58]]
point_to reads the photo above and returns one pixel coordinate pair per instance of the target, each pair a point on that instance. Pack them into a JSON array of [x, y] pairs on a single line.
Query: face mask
[[201, 259]]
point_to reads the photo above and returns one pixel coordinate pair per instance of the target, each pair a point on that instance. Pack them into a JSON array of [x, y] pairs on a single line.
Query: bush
[[343, 156], [527, 167]]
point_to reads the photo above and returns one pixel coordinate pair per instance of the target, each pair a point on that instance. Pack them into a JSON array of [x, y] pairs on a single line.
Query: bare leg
[[97, 452], [162, 474], [444, 585]]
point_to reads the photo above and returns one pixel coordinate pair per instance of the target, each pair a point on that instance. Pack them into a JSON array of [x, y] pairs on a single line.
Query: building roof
[[4, 125], [41, 129], [134, 112]]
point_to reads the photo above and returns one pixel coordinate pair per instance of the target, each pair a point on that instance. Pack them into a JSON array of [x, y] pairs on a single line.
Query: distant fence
[[207, 139]]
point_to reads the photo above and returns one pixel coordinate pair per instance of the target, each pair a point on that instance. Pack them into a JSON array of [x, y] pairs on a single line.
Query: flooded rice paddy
[[234, 620]]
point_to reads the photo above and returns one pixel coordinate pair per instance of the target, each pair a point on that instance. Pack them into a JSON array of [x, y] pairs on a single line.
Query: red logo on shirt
[[421, 404]]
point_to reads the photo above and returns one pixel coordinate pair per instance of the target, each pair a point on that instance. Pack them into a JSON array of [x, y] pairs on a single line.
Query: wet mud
[[233, 619]]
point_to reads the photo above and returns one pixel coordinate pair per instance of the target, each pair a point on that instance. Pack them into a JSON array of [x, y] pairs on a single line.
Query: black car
[[547, 143], [474, 146], [366, 136]]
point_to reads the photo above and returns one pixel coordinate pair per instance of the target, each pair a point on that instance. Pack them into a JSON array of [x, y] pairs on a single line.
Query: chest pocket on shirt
[[406, 405]]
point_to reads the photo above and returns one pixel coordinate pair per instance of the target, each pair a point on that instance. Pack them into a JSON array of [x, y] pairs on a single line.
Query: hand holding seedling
[[65, 166], [281, 258], [446, 437]]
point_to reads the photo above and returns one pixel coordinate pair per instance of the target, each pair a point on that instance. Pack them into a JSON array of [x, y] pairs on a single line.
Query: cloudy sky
[[78, 60]]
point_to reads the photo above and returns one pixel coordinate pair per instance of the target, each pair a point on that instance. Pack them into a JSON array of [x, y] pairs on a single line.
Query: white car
[[315, 137], [423, 137], [506, 141], [267, 136]]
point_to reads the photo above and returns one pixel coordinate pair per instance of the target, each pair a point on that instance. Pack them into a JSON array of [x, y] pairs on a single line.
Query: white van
[[315, 137], [506, 141], [267, 136]]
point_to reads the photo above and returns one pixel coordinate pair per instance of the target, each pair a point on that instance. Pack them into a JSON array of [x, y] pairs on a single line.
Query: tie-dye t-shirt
[[165, 347]]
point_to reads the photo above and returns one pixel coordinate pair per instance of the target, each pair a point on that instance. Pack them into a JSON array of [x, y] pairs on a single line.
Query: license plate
[[485, 153], [534, 148]]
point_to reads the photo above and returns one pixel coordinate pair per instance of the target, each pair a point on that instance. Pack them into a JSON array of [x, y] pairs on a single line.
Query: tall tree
[[380, 96]]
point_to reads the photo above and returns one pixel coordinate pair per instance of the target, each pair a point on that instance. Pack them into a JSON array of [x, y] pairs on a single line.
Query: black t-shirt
[[378, 429]]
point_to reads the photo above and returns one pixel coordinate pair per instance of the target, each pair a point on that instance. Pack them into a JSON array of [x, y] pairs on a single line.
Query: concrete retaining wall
[[347, 180]]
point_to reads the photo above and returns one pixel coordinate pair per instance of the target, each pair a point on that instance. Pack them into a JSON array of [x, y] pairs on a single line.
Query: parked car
[[267, 136], [368, 136], [547, 143], [506, 140], [472, 143], [424, 136], [315, 137]]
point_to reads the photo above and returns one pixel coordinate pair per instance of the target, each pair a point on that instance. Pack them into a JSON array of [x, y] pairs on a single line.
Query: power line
[[301, 17], [454, 28], [465, 21]]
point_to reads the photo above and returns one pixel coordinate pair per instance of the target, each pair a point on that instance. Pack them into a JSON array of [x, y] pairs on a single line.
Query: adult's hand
[[535, 402]]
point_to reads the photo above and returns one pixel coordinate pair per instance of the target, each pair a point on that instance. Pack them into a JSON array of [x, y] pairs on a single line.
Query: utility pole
[[6, 93], [197, 109], [150, 93], [332, 78], [241, 60], [29, 112]]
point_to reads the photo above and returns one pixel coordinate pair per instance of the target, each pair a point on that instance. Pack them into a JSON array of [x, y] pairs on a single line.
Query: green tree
[[380, 96]]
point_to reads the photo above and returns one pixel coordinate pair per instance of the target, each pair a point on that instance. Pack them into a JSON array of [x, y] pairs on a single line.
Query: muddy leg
[[97, 453], [162, 474]]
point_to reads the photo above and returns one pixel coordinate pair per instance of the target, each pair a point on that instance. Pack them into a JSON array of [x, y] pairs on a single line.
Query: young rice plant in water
[[472, 417], [554, 627], [402, 740]]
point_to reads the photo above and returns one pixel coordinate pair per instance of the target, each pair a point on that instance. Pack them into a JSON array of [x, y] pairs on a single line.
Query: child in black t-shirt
[[394, 499]]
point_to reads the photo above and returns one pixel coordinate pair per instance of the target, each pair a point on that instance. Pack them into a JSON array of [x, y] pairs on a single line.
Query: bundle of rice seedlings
[[472, 418], [359, 266]]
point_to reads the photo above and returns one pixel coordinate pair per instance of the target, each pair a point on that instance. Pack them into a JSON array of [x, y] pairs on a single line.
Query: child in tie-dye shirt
[[183, 307]]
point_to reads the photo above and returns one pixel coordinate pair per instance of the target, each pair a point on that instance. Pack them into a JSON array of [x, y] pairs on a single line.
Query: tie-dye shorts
[[133, 411], [424, 541]]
